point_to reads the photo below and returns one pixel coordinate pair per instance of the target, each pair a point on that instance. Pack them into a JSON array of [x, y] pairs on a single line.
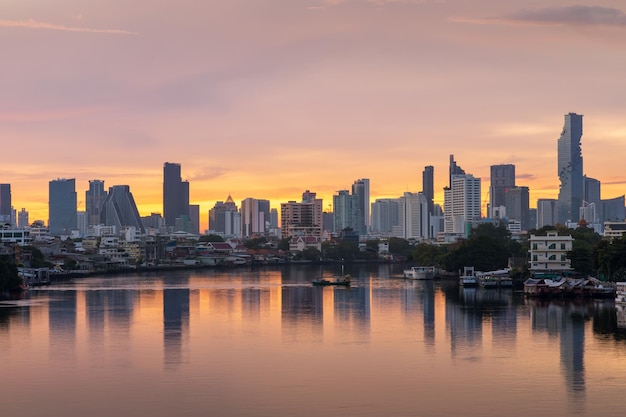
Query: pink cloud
[[33, 24]]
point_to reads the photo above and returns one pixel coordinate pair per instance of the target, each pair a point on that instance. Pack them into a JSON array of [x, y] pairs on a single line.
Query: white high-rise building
[[253, 217], [461, 203], [414, 217]]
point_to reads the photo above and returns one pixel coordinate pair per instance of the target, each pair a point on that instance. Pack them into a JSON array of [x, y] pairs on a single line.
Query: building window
[[552, 258], [562, 246], [534, 246], [552, 246], [535, 258]]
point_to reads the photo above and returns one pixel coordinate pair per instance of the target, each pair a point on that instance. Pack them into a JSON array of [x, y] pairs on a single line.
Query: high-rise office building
[[454, 169], [413, 217], [61, 206], [591, 195], [428, 187], [194, 218], [22, 219], [502, 178], [613, 209], [254, 214], [94, 198], [345, 211], [361, 190], [5, 203], [570, 169], [224, 218], [175, 194], [385, 216], [517, 203], [546, 212], [119, 209]]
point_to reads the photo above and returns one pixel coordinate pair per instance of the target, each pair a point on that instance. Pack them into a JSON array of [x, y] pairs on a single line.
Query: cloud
[[33, 24], [577, 15], [207, 173]]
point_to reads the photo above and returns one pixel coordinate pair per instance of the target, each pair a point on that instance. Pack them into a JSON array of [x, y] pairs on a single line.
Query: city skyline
[[267, 100]]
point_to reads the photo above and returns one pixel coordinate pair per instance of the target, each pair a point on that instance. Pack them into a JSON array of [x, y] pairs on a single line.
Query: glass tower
[[175, 194], [61, 206], [570, 169]]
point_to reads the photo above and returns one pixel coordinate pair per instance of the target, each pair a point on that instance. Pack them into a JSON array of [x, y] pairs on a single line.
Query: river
[[265, 342]]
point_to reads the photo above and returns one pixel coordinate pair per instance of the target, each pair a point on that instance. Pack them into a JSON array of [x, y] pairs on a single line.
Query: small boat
[[469, 278], [345, 281], [489, 281], [420, 272]]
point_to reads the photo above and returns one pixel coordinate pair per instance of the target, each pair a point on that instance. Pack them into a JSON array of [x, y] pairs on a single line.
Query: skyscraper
[[428, 187], [361, 190], [502, 178], [413, 217], [61, 206], [224, 218], [516, 201], [546, 212], [94, 197], [570, 169], [119, 209], [461, 203], [591, 195], [22, 219], [344, 211], [175, 194], [454, 169], [5, 202], [253, 216], [385, 216]]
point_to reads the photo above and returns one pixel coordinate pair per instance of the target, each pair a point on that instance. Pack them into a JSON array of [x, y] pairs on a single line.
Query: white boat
[[469, 278], [620, 292], [420, 272]]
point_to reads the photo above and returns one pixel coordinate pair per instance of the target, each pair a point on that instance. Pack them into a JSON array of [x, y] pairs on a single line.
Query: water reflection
[[253, 332], [175, 324]]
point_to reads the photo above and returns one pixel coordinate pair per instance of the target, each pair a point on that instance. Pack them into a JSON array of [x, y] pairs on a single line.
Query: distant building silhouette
[[254, 214], [361, 191], [61, 206], [428, 187], [546, 212], [119, 209], [385, 216], [94, 197], [175, 194], [502, 178], [5, 202], [454, 169], [224, 218], [570, 169]]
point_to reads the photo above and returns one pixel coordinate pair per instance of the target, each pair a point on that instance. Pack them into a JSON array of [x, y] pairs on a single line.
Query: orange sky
[[267, 99]]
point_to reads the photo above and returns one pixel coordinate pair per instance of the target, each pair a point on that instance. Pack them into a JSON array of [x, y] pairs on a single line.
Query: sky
[[266, 99]]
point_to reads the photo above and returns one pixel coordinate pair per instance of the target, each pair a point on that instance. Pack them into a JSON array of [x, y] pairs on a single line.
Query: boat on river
[[343, 281], [469, 278], [420, 272]]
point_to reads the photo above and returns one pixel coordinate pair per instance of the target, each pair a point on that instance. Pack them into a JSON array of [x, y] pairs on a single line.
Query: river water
[[267, 343]]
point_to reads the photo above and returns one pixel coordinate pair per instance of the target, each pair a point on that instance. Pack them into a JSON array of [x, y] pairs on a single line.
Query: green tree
[[429, 254], [211, 238], [9, 279], [399, 246], [283, 244]]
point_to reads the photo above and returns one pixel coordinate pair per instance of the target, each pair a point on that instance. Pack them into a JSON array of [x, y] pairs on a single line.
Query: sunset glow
[[267, 99]]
